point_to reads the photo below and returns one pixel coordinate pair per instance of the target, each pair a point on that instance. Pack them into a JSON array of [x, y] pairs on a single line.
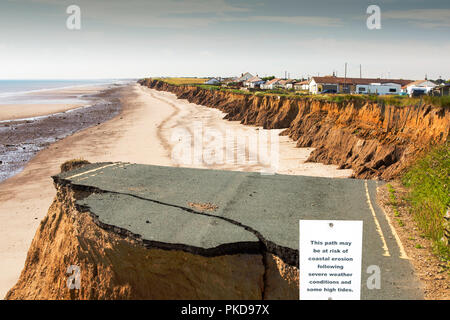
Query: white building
[[272, 84], [420, 85], [333, 84], [244, 77], [302, 85], [253, 82], [379, 88], [287, 84]]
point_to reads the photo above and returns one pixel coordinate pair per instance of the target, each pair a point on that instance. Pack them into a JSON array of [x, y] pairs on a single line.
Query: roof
[[286, 81], [241, 78], [254, 79], [272, 81], [355, 81], [416, 83], [212, 80], [302, 82]]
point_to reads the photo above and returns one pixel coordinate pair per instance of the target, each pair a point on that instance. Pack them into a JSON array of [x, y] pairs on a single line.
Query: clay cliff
[[375, 140], [115, 264]]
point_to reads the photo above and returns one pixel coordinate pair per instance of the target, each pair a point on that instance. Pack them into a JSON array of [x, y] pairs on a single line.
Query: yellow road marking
[[403, 254], [90, 171], [377, 223]]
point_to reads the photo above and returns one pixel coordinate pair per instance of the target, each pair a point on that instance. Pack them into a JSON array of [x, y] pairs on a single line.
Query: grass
[[429, 183], [394, 203], [73, 164], [392, 196], [400, 222], [404, 101], [183, 81], [219, 88]]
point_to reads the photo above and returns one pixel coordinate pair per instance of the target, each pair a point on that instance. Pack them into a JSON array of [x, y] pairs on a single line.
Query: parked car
[[329, 91]]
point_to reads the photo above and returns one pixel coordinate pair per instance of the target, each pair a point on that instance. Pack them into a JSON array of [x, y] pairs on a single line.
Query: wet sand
[[141, 133], [20, 140], [24, 111]]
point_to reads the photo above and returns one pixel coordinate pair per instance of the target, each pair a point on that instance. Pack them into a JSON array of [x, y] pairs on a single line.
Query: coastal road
[[213, 212]]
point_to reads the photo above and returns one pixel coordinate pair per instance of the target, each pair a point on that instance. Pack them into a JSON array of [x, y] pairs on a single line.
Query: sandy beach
[[24, 111], [142, 133]]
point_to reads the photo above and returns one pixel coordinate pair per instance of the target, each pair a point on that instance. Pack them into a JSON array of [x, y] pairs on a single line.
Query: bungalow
[[213, 81], [272, 84], [333, 84], [287, 84], [424, 86], [302, 85], [442, 90], [244, 77], [378, 88], [254, 82]]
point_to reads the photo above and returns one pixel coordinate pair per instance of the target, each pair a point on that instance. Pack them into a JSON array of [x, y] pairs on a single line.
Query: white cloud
[[300, 20], [427, 18]]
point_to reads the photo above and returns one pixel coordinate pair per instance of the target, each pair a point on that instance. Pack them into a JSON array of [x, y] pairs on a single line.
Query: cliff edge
[[375, 140]]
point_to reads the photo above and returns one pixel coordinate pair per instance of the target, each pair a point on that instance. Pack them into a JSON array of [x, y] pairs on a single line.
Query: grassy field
[[183, 81], [429, 183]]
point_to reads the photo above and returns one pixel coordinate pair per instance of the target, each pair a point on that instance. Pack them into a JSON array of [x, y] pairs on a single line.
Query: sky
[[147, 38]]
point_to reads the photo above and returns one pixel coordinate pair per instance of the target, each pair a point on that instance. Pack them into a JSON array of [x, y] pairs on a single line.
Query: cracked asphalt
[[254, 213]]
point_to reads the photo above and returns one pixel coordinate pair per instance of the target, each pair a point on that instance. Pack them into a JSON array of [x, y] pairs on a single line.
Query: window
[[392, 90], [361, 89]]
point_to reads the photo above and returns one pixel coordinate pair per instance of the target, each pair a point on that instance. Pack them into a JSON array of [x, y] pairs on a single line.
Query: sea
[[18, 91]]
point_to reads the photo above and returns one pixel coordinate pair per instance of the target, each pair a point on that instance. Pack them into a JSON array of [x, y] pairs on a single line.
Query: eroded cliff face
[[116, 266], [376, 141]]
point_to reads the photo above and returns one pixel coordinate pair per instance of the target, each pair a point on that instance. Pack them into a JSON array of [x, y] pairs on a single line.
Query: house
[[244, 77], [378, 88], [287, 83], [333, 84], [254, 82], [272, 84], [422, 86], [213, 81], [302, 85], [441, 90]]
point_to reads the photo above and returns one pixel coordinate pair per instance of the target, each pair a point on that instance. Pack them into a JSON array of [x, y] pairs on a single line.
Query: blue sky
[[138, 38]]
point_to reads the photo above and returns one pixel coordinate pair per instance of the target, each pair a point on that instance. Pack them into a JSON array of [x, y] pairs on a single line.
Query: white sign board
[[330, 259]]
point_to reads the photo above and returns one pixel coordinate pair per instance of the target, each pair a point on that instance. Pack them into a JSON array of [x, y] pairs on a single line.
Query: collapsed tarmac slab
[[267, 206], [151, 232]]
